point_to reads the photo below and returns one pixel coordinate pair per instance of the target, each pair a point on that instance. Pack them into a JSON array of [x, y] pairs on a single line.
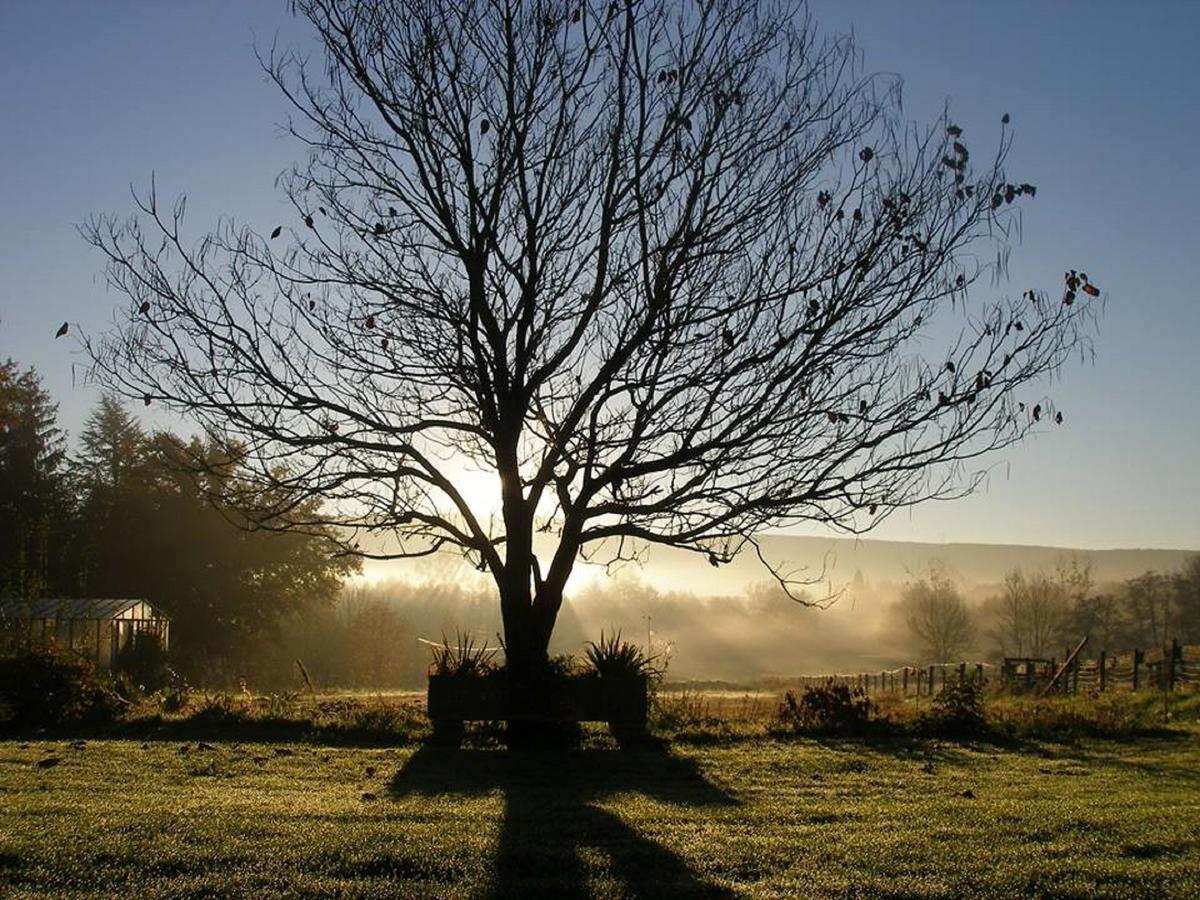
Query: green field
[[761, 818]]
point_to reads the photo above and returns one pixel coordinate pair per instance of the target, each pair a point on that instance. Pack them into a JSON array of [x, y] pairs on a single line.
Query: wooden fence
[[1172, 668], [1175, 667]]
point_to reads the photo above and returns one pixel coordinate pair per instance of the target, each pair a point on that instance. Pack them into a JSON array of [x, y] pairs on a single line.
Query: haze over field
[[836, 563], [732, 623]]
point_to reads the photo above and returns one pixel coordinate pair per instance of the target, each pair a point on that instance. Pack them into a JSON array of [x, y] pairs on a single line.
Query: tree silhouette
[[938, 616], [674, 273], [144, 526], [34, 507]]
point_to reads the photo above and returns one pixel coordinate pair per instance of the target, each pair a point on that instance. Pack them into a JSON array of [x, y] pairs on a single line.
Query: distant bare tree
[[1099, 616], [675, 272], [1148, 600], [1187, 597], [1091, 614], [1008, 614], [1030, 614], [938, 616]]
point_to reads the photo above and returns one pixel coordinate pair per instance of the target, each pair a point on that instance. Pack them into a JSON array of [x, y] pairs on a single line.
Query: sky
[[96, 97]]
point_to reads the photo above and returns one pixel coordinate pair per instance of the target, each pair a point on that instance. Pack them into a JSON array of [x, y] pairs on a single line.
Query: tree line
[[125, 515], [1038, 613]]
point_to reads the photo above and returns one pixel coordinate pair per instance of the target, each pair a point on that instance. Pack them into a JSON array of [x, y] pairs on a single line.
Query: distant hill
[[891, 561], [840, 560]]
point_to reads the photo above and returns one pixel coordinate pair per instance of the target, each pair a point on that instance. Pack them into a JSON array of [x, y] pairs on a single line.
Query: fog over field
[[733, 622]]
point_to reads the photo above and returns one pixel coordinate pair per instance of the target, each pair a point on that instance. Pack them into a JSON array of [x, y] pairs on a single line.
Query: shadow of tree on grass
[[552, 814]]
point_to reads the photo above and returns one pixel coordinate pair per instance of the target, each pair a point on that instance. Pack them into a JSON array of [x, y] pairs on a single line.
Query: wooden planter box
[[621, 702]]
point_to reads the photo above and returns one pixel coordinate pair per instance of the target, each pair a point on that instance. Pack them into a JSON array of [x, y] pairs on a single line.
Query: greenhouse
[[98, 628]]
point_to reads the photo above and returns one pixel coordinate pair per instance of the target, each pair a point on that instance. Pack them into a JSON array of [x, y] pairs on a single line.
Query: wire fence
[[1174, 667]]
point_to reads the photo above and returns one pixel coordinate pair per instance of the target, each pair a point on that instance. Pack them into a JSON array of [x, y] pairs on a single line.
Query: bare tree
[[1187, 601], [1148, 600], [1009, 613], [1032, 611], [675, 272], [938, 616]]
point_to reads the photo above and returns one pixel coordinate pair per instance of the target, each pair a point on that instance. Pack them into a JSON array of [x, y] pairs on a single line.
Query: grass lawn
[[755, 818]]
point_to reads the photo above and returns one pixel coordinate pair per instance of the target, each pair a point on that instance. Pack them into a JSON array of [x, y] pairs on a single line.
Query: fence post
[[1171, 668], [1103, 663], [931, 681], [1137, 661], [979, 673], [904, 679], [1075, 676], [962, 672]]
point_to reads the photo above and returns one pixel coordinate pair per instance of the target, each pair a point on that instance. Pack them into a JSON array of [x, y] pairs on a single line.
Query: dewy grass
[[755, 818]]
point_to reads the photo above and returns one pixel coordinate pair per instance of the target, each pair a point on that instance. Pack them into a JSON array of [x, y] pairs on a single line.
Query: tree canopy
[[674, 273]]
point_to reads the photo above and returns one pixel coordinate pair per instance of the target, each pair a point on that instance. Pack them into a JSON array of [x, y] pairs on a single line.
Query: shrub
[[217, 710], [563, 665], [174, 697], [685, 709], [144, 660], [957, 711], [43, 686], [828, 709], [611, 657]]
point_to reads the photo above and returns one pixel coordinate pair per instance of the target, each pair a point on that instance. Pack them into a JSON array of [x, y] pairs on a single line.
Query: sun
[[480, 490]]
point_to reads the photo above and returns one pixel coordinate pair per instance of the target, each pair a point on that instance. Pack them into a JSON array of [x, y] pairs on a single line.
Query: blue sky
[[96, 96]]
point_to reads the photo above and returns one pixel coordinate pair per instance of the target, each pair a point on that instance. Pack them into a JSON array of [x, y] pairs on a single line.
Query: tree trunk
[[528, 626], [535, 696]]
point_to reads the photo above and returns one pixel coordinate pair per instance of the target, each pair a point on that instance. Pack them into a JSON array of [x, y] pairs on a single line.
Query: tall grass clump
[[1116, 715], [464, 658], [612, 657]]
